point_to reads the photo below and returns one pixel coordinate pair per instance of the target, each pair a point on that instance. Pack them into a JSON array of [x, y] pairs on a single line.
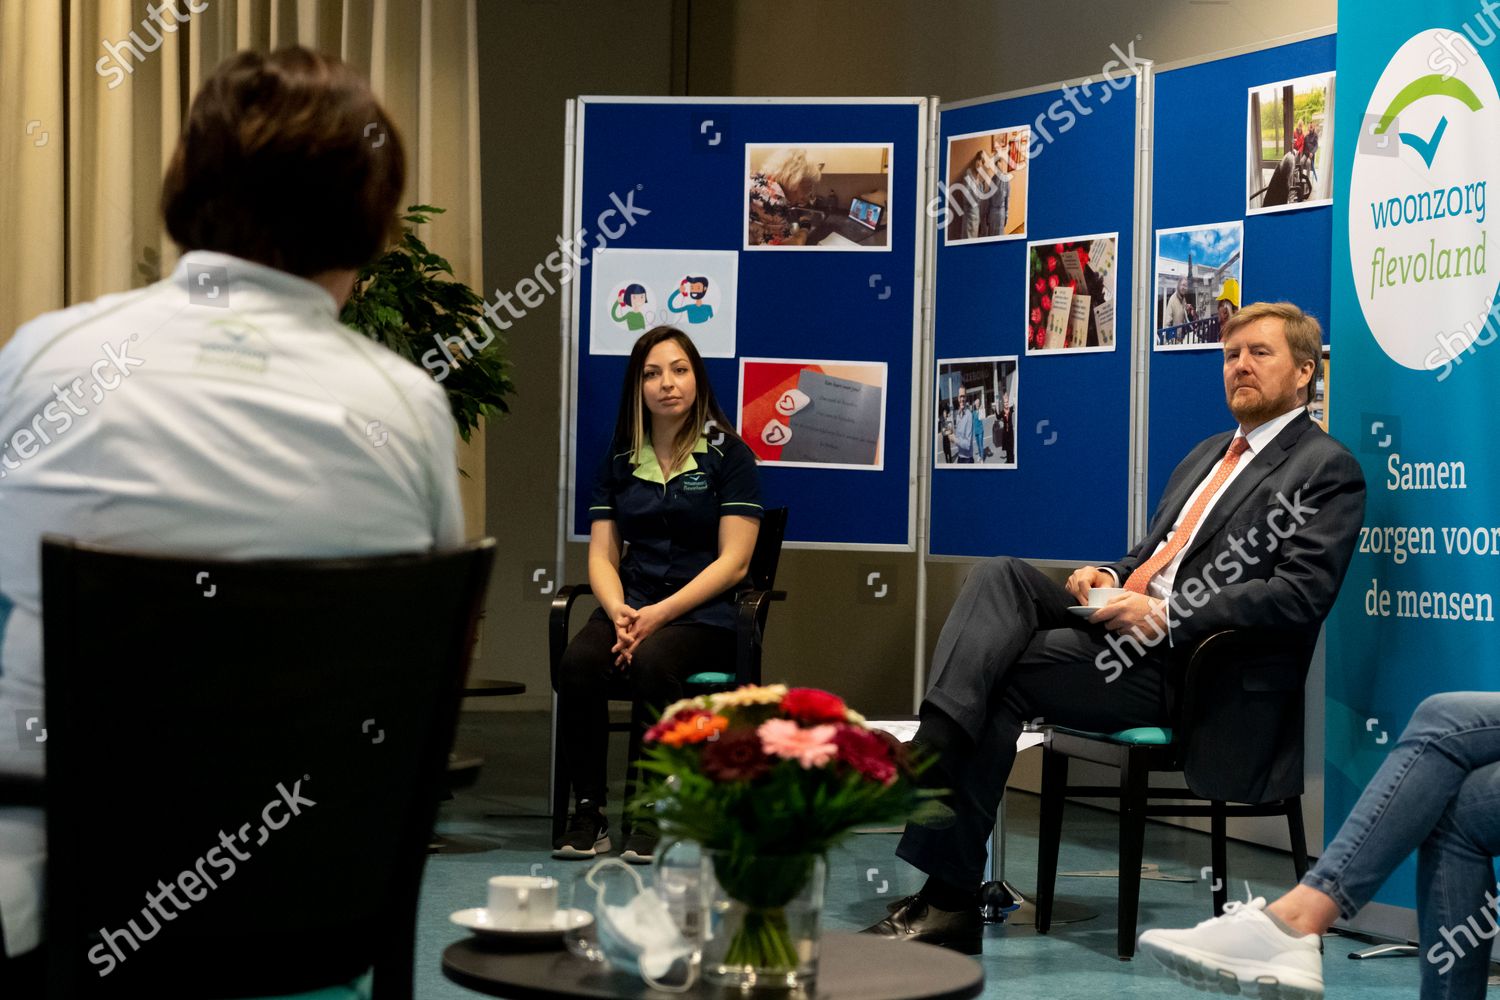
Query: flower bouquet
[[766, 780]]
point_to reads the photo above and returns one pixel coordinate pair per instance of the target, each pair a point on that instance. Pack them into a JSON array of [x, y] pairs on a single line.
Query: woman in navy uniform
[[687, 504]]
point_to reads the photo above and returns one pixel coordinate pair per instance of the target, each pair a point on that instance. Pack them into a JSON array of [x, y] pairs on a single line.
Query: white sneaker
[[1242, 952]]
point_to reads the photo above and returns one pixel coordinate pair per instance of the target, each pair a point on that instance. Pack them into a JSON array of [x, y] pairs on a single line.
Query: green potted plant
[[404, 301]]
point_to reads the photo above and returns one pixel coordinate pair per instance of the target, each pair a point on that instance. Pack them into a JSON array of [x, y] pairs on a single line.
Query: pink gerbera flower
[[811, 747]]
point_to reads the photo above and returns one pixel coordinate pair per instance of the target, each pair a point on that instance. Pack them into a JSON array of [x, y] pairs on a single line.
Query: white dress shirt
[[242, 422]]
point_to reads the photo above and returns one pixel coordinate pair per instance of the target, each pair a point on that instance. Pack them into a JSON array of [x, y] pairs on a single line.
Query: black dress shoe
[[914, 919]]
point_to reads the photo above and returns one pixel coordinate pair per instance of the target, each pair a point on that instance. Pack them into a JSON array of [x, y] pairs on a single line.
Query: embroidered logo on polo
[[694, 482]]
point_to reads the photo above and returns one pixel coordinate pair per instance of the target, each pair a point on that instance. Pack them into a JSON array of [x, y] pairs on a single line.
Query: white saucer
[[478, 920], [1082, 611]]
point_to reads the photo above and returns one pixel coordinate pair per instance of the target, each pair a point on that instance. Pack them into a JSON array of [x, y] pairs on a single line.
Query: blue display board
[[1067, 497], [683, 163], [1414, 383], [1201, 136]]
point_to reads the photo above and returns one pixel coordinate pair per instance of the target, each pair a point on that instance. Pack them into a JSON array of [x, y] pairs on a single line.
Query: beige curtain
[[89, 125]]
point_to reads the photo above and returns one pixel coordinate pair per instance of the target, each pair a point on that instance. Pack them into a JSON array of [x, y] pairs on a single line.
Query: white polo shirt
[[223, 412]]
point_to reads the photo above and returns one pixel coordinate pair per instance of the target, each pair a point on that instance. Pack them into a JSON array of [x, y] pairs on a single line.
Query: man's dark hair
[[288, 160]]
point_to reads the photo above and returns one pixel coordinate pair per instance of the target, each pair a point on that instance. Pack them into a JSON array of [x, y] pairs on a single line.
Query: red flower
[[668, 723], [811, 706], [735, 756], [1046, 302], [866, 752]]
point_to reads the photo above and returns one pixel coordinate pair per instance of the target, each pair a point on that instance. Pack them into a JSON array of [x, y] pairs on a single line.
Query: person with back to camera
[[277, 198], [686, 511]]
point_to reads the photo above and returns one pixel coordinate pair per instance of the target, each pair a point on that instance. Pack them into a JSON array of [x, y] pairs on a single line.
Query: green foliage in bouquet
[[403, 300]]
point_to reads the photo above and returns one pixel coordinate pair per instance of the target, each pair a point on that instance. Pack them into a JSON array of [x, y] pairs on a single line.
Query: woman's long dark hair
[[633, 424]]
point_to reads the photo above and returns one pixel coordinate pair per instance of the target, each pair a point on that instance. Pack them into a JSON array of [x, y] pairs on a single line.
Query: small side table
[[850, 967]]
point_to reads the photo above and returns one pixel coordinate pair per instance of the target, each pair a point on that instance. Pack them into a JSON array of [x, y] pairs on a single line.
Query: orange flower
[[695, 730]]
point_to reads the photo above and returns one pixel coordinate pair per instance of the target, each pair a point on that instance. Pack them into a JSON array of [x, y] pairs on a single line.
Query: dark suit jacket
[[1268, 558]]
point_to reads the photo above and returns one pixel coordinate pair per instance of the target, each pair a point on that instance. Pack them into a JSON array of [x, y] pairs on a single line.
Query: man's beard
[[1263, 408]]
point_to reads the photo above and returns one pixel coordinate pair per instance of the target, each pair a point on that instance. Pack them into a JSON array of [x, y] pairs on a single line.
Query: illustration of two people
[[627, 307]]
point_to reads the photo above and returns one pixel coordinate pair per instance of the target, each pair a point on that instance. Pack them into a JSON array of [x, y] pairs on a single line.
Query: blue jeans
[[999, 208], [1438, 793]]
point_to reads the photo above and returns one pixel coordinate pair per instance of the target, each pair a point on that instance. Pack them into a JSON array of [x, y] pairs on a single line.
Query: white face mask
[[641, 937]]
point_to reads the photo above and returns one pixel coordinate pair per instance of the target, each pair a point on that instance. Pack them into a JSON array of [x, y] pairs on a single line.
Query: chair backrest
[[767, 554], [269, 740], [1240, 718]]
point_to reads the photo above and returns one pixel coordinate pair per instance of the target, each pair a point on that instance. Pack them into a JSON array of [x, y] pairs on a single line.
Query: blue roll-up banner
[[1415, 375]]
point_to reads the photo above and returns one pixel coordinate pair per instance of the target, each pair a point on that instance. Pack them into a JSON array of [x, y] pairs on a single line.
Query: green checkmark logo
[[1432, 85]]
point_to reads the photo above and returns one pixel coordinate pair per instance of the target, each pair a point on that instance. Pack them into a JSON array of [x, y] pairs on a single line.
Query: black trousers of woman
[[654, 677]]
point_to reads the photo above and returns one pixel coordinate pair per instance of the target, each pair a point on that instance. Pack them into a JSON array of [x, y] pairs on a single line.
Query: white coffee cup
[[1100, 596], [522, 902]]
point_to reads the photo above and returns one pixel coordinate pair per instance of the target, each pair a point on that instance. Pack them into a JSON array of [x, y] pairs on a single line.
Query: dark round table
[[852, 966]]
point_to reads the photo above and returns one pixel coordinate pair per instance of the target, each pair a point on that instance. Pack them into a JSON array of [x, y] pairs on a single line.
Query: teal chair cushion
[[1144, 736], [359, 989], [711, 677]]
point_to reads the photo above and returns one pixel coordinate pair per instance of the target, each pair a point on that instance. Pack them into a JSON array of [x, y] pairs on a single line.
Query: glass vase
[[764, 918]]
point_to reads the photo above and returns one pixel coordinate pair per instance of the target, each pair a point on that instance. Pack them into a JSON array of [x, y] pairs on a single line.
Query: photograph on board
[[1290, 156], [976, 413], [987, 186], [812, 196], [1198, 274], [1070, 294], [817, 414], [635, 290]]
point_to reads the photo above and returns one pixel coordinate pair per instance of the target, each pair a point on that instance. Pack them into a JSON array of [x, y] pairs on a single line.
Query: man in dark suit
[[1254, 530]]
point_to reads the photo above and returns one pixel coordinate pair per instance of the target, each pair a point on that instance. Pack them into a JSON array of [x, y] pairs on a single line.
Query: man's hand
[[1085, 578], [1143, 617]]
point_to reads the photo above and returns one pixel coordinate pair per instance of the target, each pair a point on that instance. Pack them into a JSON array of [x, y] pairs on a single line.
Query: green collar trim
[[649, 469]]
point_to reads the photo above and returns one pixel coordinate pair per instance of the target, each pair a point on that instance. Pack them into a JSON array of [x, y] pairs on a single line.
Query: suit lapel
[[1262, 465]]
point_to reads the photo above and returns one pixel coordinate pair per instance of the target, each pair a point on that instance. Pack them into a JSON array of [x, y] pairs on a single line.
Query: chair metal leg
[[1054, 794], [1297, 834], [1133, 785], [560, 781], [632, 765], [1219, 845]]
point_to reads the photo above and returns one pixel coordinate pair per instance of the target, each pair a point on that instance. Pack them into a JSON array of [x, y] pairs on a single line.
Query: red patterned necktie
[[1148, 569]]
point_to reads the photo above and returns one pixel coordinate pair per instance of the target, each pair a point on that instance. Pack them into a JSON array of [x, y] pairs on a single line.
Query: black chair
[[1229, 677], [271, 736], [754, 608]]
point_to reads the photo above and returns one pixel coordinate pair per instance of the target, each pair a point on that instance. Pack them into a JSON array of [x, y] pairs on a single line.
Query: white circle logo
[[1418, 227]]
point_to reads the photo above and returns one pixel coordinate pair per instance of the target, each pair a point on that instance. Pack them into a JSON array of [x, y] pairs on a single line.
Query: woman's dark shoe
[[640, 846], [587, 834]]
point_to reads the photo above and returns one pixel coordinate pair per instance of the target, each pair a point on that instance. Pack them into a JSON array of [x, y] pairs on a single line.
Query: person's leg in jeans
[[1419, 798], [1457, 897], [1449, 736]]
